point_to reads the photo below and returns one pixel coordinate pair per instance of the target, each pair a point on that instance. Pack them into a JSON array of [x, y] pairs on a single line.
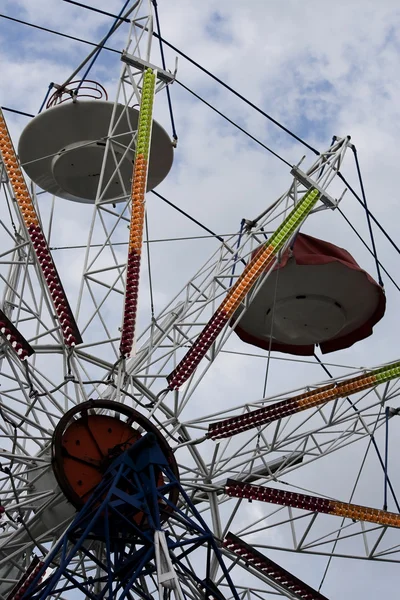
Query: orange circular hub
[[89, 445], [90, 437]]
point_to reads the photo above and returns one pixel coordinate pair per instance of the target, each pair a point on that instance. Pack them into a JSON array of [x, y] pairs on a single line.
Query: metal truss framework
[[58, 377], [159, 556]]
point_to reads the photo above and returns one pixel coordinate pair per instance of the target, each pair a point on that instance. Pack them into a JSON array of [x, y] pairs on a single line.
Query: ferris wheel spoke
[[311, 533], [261, 563], [313, 503], [255, 268], [302, 402], [139, 184], [30, 218], [309, 439]]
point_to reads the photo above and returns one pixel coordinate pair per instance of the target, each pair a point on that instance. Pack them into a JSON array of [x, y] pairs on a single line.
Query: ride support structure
[[130, 513]]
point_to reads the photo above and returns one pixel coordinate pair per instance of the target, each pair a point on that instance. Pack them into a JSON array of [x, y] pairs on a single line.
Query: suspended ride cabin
[[62, 148], [316, 296]]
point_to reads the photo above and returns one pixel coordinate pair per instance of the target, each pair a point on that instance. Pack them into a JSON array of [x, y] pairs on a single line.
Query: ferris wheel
[[126, 470]]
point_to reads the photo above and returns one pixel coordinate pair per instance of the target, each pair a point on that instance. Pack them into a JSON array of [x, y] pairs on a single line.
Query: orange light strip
[[138, 193], [263, 259], [261, 262], [24, 201], [239, 489], [273, 412], [138, 204]]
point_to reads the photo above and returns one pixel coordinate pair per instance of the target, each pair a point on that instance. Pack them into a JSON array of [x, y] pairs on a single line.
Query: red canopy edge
[[308, 250]]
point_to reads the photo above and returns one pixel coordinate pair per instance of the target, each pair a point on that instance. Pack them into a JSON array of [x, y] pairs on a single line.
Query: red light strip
[[322, 395], [271, 569], [239, 489], [17, 341], [260, 263], [62, 308], [20, 588]]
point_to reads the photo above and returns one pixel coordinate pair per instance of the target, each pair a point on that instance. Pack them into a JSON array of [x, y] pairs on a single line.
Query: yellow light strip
[[364, 513]]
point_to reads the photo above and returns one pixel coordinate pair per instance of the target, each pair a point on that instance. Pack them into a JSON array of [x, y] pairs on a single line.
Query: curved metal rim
[[133, 416]]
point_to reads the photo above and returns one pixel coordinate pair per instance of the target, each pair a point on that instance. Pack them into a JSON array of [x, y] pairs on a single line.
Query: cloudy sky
[[321, 69]]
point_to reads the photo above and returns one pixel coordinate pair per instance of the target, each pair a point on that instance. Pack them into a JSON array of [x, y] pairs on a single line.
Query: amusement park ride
[[109, 486]]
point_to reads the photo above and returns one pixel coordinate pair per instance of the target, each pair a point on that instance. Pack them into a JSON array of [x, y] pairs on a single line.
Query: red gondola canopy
[[317, 295]]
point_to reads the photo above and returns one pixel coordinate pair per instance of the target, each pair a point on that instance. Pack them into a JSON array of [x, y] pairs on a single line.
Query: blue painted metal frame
[[130, 488]]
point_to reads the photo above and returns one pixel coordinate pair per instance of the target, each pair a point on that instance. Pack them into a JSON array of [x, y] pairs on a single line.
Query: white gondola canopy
[[62, 150]]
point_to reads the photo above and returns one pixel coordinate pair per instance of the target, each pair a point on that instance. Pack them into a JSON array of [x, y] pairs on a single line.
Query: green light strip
[[293, 220], [146, 114]]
